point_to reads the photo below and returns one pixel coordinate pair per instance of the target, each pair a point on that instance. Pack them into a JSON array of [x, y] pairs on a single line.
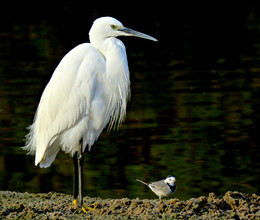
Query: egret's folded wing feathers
[[65, 97]]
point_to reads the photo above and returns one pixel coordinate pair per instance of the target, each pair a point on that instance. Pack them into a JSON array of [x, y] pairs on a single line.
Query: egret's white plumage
[[88, 90]]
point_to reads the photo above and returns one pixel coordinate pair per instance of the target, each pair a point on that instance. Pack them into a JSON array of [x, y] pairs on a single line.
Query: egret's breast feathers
[[117, 75]]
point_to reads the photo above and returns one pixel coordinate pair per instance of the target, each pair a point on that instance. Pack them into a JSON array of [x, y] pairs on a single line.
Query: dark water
[[191, 117]]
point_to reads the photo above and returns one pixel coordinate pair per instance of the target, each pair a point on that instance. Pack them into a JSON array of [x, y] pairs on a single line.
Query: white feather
[[88, 90]]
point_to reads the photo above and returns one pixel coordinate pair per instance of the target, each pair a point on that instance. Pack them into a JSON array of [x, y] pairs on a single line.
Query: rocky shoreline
[[233, 205]]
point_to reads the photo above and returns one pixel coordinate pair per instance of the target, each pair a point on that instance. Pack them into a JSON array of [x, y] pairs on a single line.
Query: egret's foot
[[75, 202], [84, 208]]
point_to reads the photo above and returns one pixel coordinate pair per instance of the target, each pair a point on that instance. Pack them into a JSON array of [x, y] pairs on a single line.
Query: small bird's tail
[[141, 181]]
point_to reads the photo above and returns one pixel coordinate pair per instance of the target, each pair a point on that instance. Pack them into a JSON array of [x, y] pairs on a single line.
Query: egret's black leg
[[78, 177], [78, 180]]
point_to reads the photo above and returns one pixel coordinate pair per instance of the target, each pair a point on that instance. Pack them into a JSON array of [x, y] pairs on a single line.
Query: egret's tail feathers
[[47, 162], [141, 181], [45, 158]]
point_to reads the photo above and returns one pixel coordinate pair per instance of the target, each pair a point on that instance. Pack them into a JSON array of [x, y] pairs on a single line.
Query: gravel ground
[[233, 205]]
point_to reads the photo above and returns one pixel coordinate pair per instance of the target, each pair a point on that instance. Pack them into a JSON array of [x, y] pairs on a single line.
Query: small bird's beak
[[130, 32]]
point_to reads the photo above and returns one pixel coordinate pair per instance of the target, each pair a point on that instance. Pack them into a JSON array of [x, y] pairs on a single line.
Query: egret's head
[[170, 180], [105, 27]]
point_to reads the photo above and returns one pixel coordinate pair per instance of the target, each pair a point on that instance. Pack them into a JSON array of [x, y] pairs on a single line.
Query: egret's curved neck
[[98, 42]]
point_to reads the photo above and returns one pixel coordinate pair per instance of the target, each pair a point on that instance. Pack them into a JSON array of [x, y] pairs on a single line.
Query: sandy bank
[[233, 205]]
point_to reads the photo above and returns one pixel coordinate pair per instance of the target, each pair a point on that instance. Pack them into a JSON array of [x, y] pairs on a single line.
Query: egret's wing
[[64, 101]]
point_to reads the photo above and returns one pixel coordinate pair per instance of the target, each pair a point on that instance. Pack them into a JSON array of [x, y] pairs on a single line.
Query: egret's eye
[[113, 27]]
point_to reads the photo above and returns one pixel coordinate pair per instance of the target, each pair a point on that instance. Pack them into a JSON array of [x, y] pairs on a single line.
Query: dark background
[[197, 35], [194, 109]]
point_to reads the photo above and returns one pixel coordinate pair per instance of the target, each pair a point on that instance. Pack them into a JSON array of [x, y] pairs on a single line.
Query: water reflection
[[201, 126]]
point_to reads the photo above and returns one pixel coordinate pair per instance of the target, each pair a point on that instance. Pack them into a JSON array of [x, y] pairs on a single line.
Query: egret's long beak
[[130, 32]]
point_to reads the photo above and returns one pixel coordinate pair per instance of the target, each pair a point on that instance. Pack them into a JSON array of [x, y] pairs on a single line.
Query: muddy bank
[[233, 205]]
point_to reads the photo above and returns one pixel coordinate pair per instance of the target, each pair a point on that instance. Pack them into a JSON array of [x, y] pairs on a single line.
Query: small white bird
[[162, 188]]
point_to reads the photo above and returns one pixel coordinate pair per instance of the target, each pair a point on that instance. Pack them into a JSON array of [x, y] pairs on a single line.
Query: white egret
[[88, 90]]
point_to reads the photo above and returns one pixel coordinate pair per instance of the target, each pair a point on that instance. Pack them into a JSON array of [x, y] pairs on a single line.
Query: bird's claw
[[75, 202], [84, 208]]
